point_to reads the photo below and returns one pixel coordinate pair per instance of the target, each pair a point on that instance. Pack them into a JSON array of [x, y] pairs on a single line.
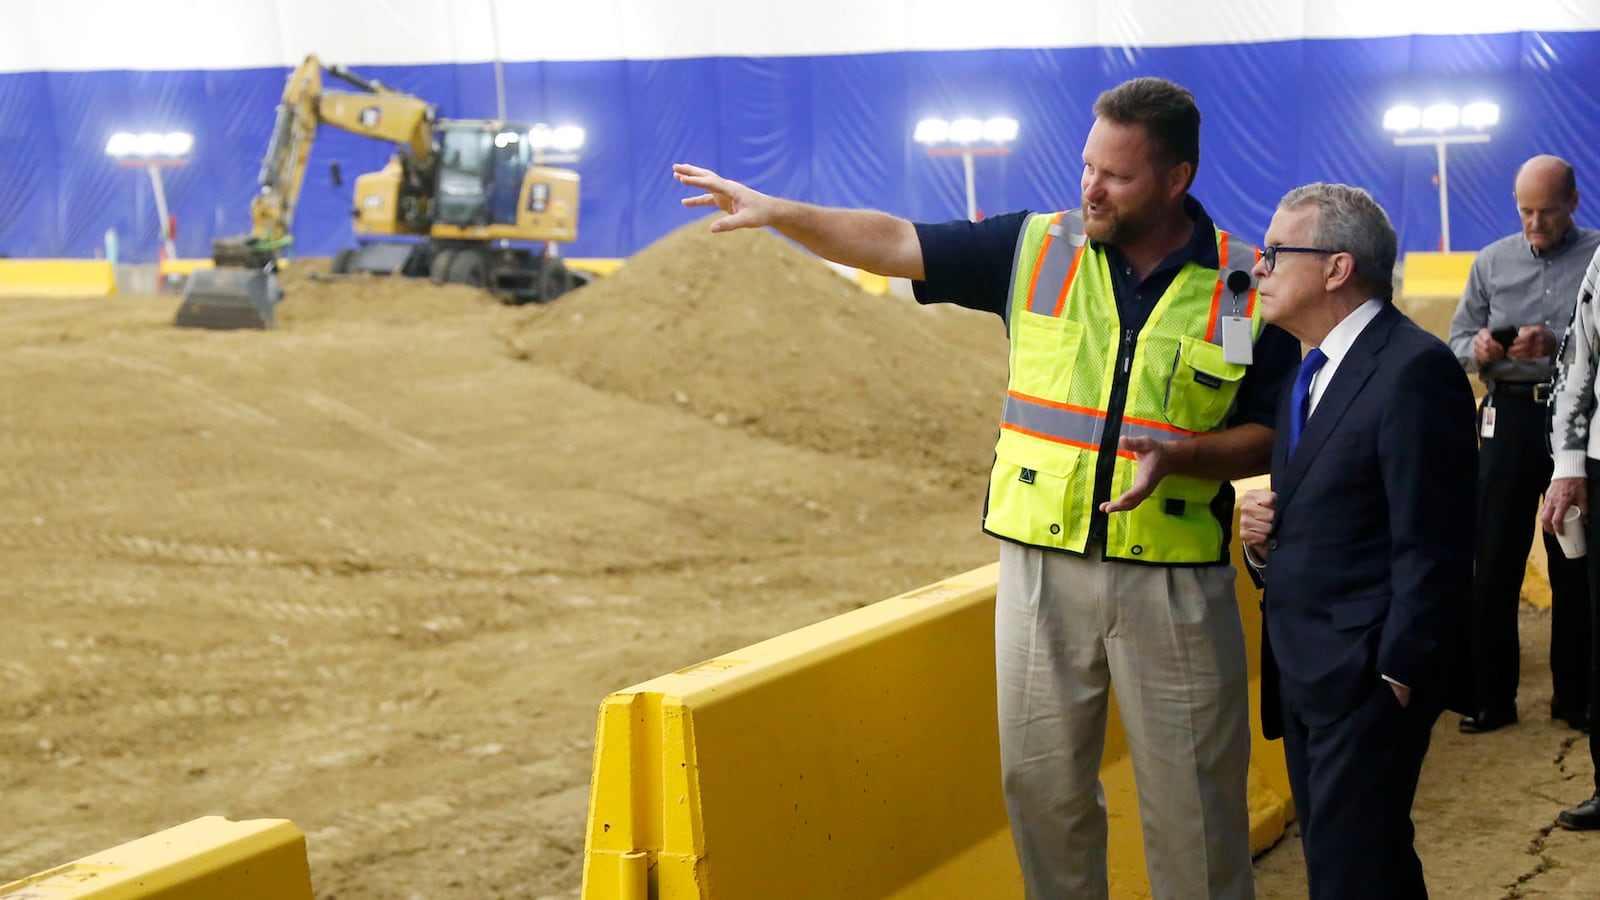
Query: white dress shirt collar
[[1338, 343]]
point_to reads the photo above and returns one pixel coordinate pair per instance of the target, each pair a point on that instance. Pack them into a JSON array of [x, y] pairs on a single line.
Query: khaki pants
[[1169, 639]]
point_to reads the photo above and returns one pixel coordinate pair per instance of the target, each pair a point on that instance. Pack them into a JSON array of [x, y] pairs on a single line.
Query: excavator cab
[[468, 166], [499, 212]]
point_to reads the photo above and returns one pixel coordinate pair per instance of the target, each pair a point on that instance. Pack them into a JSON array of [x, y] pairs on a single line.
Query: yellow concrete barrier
[[57, 278], [182, 267], [1433, 313], [207, 858], [872, 283], [1426, 274], [845, 759], [854, 758], [594, 266]]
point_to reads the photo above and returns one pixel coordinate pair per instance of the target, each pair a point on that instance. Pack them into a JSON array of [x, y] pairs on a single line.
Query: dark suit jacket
[[1370, 564]]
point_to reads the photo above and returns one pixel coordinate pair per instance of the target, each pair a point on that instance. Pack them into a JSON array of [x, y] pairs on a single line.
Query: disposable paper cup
[[1571, 536]]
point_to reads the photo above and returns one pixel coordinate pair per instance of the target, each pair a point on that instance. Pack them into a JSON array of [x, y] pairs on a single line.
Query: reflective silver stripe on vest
[[1053, 421], [1066, 236], [1133, 429]]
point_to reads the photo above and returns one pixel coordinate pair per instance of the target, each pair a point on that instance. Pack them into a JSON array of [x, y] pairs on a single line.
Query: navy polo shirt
[[969, 264]]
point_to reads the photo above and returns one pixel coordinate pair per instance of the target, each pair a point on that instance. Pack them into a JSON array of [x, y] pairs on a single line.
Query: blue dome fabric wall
[[831, 127]]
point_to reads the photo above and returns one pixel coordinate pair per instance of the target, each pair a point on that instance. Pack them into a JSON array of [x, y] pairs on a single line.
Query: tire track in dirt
[[209, 395], [18, 682], [395, 438], [42, 537]]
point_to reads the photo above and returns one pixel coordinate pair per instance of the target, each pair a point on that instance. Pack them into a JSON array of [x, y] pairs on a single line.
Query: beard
[[1117, 230]]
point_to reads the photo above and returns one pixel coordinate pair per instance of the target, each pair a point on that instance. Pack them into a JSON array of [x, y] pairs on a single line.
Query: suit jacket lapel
[[1353, 372]]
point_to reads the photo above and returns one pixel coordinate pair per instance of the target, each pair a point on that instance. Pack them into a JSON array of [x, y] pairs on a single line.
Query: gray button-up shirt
[[1511, 285]]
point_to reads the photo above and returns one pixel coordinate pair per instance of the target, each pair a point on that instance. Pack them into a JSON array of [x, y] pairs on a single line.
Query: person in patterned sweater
[[1575, 446]]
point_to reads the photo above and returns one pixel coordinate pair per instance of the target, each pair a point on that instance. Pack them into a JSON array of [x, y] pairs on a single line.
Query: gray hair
[[1352, 222]]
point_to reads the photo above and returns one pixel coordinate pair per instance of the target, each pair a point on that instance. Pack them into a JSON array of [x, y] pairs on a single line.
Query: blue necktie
[[1300, 399]]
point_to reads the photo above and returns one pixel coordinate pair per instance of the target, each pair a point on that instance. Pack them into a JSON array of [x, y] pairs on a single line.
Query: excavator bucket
[[229, 298]]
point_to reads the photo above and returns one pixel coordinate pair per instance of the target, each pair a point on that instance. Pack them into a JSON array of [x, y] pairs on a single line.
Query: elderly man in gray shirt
[[1512, 317]]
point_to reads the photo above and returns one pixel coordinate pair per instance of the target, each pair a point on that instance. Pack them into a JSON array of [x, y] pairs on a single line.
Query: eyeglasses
[[1269, 255]]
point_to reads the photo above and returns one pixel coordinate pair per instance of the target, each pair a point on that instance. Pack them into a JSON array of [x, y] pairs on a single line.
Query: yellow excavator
[[462, 200]]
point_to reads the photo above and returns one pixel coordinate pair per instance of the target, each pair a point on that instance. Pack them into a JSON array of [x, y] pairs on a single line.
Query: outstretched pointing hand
[[745, 208]]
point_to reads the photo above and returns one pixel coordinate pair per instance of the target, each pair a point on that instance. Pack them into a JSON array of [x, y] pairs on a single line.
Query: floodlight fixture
[[1444, 119], [567, 137], [966, 137], [1402, 119], [931, 131], [556, 143], [149, 146], [153, 151], [177, 143], [120, 145], [966, 131], [1480, 115], [1000, 130], [1441, 116]]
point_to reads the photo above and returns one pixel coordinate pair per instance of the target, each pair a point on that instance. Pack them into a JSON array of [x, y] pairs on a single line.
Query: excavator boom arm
[[375, 111]]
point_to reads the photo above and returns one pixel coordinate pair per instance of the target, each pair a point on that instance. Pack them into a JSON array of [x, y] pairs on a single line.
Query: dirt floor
[[374, 570]]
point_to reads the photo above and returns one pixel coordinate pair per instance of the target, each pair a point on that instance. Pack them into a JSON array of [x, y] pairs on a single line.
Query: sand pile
[[750, 331], [312, 298]]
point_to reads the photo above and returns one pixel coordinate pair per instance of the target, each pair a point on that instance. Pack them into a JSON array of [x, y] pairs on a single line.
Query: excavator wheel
[[554, 280], [439, 269], [467, 267]]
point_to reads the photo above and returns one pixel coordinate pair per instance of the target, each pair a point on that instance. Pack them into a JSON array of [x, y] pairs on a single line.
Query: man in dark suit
[[1364, 543]]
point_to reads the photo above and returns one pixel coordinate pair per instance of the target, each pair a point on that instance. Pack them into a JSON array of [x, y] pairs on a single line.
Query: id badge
[[1238, 345], [1488, 422]]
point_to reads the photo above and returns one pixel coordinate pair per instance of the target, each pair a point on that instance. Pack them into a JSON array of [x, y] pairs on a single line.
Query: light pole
[[154, 152], [967, 138], [1442, 118]]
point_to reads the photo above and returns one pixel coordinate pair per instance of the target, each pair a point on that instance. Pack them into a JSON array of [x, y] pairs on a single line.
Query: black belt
[[1538, 391]]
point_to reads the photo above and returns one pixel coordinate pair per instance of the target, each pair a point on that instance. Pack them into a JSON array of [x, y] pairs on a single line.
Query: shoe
[[1575, 717], [1488, 719], [1583, 817]]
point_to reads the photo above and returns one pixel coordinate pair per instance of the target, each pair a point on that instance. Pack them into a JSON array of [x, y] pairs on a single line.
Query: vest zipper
[[1106, 461]]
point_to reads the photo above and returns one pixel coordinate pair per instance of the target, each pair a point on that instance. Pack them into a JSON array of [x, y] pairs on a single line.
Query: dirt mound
[[748, 330], [370, 573], [312, 298]]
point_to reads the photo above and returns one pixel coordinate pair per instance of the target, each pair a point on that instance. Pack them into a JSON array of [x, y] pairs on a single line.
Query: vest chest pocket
[[1044, 354], [1202, 387]]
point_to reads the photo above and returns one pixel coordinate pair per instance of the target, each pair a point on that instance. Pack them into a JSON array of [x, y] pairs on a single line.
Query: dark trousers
[[1591, 535], [1513, 471], [1353, 783]]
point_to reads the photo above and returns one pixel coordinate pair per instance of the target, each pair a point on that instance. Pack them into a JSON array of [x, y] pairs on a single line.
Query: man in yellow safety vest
[[1142, 381]]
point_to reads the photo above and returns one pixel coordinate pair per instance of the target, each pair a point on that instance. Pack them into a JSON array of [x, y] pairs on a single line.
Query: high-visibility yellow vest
[[1068, 354]]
